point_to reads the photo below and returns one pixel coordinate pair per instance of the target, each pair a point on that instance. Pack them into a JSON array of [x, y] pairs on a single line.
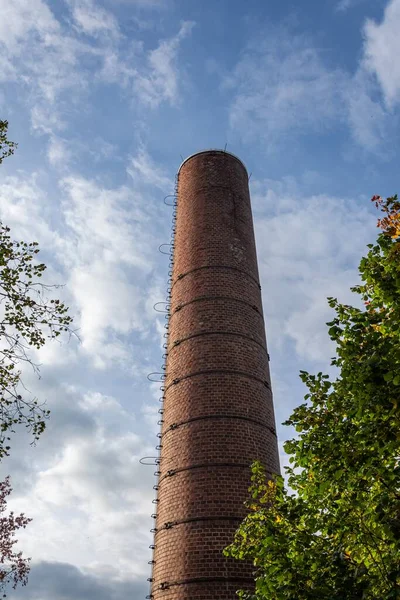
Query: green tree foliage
[[14, 568], [6, 147], [336, 536], [28, 318]]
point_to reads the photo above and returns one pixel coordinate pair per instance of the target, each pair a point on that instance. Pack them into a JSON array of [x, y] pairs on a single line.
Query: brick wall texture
[[218, 412]]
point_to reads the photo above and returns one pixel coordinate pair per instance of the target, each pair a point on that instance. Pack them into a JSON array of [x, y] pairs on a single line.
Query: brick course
[[218, 411]]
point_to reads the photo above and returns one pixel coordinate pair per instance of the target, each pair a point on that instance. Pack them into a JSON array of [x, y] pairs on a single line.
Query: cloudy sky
[[105, 98]]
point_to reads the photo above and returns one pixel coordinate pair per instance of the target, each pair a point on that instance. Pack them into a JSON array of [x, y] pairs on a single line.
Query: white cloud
[[83, 485], [23, 206], [160, 81], [47, 119], [285, 88], [108, 303], [102, 245], [7, 70], [94, 479], [46, 59], [47, 56], [370, 124], [92, 19], [58, 152], [144, 171], [67, 152], [57, 63], [22, 17], [308, 249], [382, 46], [108, 224], [282, 85], [108, 254]]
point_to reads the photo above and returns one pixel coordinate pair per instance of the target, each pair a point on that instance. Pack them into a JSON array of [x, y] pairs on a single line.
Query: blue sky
[[106, 98]]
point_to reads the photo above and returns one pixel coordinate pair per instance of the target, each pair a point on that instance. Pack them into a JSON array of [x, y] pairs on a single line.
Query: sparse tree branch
[[29, 317], [336, 536]]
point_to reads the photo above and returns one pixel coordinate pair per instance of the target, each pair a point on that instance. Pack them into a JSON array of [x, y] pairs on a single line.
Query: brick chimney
[[218, 412]]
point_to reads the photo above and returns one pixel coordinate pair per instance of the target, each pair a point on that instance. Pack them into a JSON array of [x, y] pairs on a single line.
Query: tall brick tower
[[217, 408]]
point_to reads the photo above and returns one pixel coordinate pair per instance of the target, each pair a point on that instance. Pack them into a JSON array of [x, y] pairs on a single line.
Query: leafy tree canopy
[[6, 147], [337, 536], [15, 567], [28, 318]]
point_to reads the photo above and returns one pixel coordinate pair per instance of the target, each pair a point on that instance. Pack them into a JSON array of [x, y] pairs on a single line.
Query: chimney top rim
[[213, 151]]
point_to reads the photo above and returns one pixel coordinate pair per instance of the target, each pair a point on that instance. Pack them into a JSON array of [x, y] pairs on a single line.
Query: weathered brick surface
[[192, 441], [215, 590], [219, 281], [215, 395], [234, 353], [200, 555], [210, 313], [218, 411], [186, 495]]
